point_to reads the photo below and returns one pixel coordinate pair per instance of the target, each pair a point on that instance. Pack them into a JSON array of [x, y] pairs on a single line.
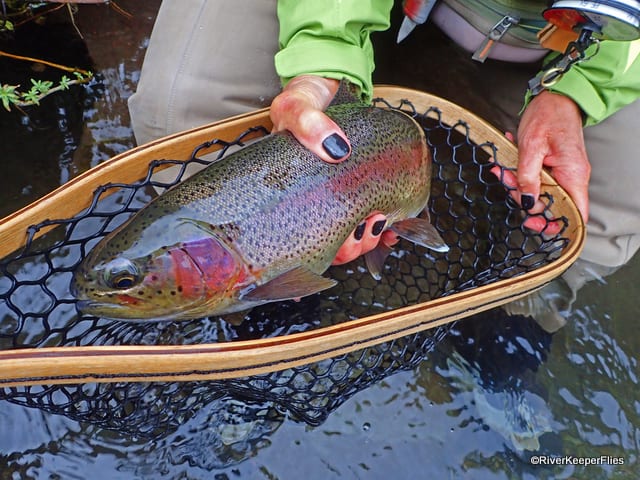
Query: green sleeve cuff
[[330, 38], [584, 93], [603, 84], [327, 58]]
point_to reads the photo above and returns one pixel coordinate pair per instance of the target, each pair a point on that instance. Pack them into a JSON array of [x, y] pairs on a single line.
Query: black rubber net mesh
[[469, 205]]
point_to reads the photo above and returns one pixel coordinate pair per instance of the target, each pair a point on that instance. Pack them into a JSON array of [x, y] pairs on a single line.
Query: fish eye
[[121, 274], [123, 281]]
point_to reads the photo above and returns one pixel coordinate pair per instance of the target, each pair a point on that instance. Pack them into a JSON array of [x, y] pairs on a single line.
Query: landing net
[[469, 205]]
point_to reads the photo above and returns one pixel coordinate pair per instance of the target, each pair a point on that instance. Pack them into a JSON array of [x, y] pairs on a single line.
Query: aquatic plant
[[10, 95], [13, 14]]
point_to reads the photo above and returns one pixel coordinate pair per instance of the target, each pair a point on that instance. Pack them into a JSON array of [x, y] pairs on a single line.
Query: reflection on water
[[494, 388], [495, 392], [48, 145], [574, 392]]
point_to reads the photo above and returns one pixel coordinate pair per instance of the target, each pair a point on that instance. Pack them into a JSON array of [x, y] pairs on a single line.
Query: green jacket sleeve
[[330, 38], [604, 83]]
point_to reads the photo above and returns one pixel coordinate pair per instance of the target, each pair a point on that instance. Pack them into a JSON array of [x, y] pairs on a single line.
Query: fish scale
[[313, 213], [274, 207]]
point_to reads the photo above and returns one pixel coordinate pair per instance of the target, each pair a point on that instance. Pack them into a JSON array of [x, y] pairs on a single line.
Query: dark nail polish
[[378, 227], [359, 231], [527, 201], [335, 146]]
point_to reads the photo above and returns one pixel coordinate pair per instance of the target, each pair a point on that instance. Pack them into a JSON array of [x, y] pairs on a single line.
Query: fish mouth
[[112, 311], [100, 309]]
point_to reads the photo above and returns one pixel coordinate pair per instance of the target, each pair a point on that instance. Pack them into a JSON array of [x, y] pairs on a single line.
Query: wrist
[[317, 90]]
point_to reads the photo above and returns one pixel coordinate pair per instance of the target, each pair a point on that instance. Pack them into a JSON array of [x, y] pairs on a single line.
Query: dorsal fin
[[347, 93]]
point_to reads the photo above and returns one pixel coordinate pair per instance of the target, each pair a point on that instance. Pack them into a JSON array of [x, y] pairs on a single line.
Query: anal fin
[[420, 231], [296, 283]]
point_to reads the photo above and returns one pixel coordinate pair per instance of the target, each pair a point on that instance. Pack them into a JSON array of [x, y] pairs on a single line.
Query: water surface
[[494, 394]]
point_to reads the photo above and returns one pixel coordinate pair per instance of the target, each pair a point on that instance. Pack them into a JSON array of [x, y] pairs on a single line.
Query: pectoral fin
[[420, 231], [296, 283]]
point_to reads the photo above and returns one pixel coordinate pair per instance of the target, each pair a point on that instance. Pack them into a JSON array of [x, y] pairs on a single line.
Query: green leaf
[[42, 86], [65, 82], [32, 96], [6, 26], [8, 95]]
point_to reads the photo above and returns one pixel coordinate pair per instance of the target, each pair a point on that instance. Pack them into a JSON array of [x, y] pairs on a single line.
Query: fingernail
[[359, 231], [378, 227], [335, 146], [527, 201]]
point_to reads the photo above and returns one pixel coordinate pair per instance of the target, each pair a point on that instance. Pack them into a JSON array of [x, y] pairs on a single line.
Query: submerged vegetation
[[10, 95], [13, 15]]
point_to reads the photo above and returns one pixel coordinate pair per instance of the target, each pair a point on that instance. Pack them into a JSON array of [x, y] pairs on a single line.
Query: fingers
[[375, 224], [535, 207], [527, 182], [531, 155], [550, 135], [535, 220], [568, 165], [300, 109], [365, 238]]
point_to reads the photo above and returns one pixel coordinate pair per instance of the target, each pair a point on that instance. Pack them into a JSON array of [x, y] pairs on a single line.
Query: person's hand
[[300, 107], [365, 238], [550, 135]]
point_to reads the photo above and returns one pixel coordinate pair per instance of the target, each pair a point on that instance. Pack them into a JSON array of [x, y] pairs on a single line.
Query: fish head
[[194, 276]]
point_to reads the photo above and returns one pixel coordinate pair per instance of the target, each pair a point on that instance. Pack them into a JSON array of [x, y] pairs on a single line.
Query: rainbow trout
[[262, 224]]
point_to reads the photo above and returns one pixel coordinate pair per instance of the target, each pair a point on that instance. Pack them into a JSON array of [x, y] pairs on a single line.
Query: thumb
[[531, 157], [300, 109]]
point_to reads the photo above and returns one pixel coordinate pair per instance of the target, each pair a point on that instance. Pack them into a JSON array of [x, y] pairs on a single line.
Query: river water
[[497, 399]]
